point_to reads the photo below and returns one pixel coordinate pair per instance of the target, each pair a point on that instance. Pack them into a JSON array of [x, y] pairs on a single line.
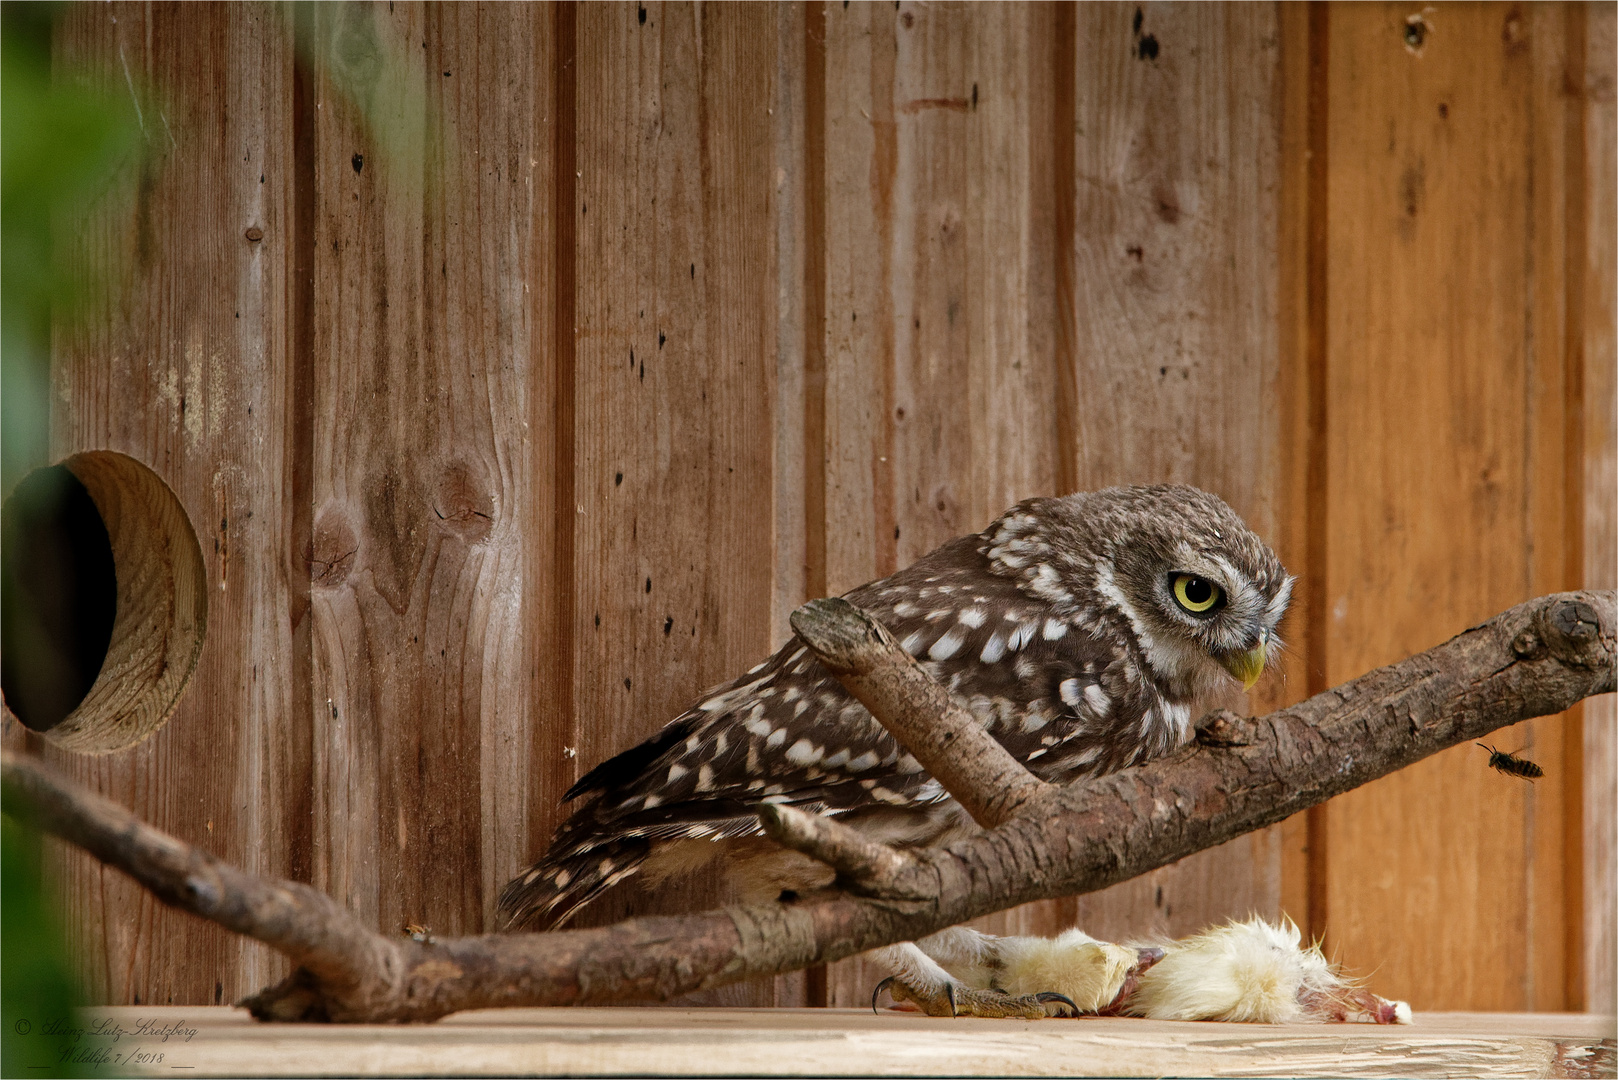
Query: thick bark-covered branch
[[1533, 660]]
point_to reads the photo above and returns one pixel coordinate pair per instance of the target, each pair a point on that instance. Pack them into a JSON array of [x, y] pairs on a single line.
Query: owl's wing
[[788, 732]]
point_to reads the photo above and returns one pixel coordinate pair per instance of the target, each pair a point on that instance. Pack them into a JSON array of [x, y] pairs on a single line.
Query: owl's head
[[1201, 594]]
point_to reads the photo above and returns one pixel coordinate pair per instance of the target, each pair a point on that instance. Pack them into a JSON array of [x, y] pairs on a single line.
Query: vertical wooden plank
[[939, 284], [1178, 346], [940, 254], [430, 174], [1445, 363], [675, 367], [854, 532], [1551, 504], [185, 368], [490, 308], [1595, 333], [799, 205], [549, 596], [1298, 392]]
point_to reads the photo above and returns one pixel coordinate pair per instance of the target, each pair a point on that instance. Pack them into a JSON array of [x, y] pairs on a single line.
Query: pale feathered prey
[[1087, 633]]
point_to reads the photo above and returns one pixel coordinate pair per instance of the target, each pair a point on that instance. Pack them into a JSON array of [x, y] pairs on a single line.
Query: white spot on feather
[[948, 645], [993, 649], [864, 761], [1055, 630], [1100, 703], [972, 617], [803, 752], [1022, 635]]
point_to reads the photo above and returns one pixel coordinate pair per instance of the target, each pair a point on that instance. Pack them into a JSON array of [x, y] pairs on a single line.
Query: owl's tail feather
[[554, 890]]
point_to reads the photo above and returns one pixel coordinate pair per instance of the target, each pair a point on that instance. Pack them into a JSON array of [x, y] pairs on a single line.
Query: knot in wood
[[1574, 630], [1527, 646], [1223, 728]]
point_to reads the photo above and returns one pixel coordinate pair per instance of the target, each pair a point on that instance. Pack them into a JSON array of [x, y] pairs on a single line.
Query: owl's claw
[[881, 986], [1049, 997], [957, 999]]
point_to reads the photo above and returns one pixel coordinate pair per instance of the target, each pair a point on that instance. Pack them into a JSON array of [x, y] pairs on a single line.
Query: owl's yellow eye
[[1197, 595]]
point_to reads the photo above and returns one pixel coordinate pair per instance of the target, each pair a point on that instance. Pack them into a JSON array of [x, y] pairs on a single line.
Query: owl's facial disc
[[1205, 597], [1199, 615]]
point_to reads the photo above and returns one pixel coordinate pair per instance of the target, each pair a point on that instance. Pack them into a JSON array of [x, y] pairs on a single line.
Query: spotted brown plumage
[[1086, 633]]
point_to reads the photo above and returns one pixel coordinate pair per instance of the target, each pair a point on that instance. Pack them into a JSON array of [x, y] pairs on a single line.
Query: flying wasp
[[1512, 765]]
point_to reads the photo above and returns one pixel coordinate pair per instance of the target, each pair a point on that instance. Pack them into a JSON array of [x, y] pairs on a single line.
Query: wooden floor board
[[840, 1042]]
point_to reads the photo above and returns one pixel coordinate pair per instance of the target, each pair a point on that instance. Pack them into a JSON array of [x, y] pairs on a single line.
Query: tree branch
[[863, 866], [939, 732], [1533, 660]]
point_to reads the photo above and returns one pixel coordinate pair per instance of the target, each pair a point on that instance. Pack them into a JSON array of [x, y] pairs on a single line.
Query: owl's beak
[[1247, 666]]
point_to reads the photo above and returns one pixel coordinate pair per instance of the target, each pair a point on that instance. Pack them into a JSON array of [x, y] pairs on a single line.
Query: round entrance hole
[[105, 602]]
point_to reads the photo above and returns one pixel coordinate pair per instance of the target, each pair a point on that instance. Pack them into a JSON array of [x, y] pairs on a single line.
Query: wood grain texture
[[1298, 397], [676, 355], [939, 279], [791, 1042], [429, 179], [184, 368], [1446, 280], [1595, 334], [1179, 333], [883, 271]]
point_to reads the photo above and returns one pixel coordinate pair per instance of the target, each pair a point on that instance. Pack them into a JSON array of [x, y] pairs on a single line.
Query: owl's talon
[[881, 986], [954, 999], [1049, 998]]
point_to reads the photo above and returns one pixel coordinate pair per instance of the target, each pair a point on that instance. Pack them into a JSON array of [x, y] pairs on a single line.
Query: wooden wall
[[580, 344]]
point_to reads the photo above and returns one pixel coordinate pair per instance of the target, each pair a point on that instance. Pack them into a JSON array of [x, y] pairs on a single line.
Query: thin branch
[[1536, 659], [937, 730], [863, 866]]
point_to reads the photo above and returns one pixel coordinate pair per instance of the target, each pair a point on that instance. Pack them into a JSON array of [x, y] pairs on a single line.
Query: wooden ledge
[[833, 1042]]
